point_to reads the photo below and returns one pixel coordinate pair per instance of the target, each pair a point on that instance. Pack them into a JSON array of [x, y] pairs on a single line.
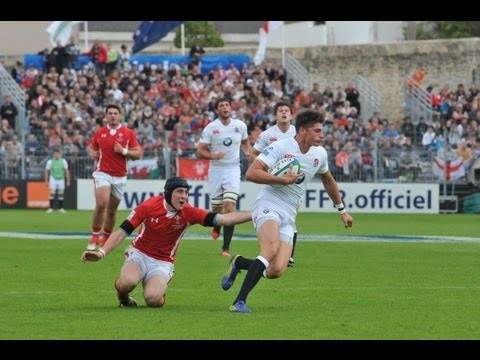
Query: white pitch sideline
[[302, 237]]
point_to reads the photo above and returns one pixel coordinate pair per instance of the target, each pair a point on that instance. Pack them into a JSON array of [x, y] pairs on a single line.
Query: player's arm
[[203, 152], [126, 228], [254, 153], [67, 173], [134, 153], [331, 187], [92, 152], [247, 149], [46, 174], [67, 176], [233, 218], [258, 173]]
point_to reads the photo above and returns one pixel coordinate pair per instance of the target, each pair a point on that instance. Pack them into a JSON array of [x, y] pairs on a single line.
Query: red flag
[[193, 169]]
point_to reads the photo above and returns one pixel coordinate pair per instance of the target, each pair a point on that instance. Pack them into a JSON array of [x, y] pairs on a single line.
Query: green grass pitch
[[337, 290]]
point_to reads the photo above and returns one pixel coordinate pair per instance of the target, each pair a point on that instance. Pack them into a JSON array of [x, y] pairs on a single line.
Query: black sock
[[51, 203], [294, 242], [254, 274], [243, 263], [227, 236], [60, 203]]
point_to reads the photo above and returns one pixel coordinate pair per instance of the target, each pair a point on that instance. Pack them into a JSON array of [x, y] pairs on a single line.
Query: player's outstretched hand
[[347, 220], [92, 255]]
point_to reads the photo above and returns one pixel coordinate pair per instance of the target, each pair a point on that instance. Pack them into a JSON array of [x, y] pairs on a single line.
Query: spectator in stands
[[12, 161], [465, 151], [45, 58], [196, 52], [124, 58], [420, 129], [17, 69], [447, 153], [59, 56], [99, 56], [367, 165], [352, 95], [31, 144], [407, 127], [459, 114], [112, 59], [409, 163], [269, 71], [428, 137], [8, 111], [73, 52], [145, 128], [178, 139]]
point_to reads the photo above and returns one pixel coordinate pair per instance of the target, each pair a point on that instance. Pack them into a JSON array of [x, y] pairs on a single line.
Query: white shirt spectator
[[428, 137]]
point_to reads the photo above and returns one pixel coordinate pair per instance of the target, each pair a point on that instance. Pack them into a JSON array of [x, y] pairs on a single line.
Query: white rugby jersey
[[289, 196], [226, 138], [271, 135]]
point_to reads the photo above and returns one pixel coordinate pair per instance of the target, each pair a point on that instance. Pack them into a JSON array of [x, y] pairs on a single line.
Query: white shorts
[[56, 184], [221, 180], [118, 183], [265, 211], [149, 265]]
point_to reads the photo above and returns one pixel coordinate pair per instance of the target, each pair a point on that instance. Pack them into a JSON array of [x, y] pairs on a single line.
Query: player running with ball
[[276, 207]]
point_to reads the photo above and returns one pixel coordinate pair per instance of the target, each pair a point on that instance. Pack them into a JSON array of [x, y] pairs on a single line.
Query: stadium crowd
[[169, 107]]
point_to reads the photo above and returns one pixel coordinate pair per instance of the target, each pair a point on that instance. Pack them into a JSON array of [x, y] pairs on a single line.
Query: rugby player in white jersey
[[283, 129], [276, 207], [220, 143]]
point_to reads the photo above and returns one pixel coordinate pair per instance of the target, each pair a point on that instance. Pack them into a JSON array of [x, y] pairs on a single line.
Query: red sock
[[106, 235], [95, 234]]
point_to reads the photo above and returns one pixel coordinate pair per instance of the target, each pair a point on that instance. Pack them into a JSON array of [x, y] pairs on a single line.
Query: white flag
[[267, 29], [60, 31], [452, 170]]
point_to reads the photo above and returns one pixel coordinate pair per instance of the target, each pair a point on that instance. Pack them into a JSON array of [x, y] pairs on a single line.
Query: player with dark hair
[[275, 207], [283, 129], [150, 258], [220, 143], [111, 146]]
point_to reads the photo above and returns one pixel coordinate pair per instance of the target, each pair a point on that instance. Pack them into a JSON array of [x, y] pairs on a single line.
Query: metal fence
[[384, 166]]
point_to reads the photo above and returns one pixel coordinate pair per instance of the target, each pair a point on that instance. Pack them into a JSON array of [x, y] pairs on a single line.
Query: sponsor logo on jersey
[[227, 141]]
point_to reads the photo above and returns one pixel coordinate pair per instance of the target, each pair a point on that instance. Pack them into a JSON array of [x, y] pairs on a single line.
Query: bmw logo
[[227, 142]]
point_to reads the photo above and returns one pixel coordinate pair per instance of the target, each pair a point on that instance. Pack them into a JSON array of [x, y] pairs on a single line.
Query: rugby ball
[[283, 166]]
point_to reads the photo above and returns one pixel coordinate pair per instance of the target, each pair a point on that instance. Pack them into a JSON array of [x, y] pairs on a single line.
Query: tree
[[194, 30], [447, 29]]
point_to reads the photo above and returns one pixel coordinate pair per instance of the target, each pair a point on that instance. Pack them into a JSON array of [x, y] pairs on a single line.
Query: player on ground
[[276, 207], [150, 257]]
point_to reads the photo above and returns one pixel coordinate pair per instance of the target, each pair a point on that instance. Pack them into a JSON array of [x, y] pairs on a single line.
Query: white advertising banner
[[357, 197]]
